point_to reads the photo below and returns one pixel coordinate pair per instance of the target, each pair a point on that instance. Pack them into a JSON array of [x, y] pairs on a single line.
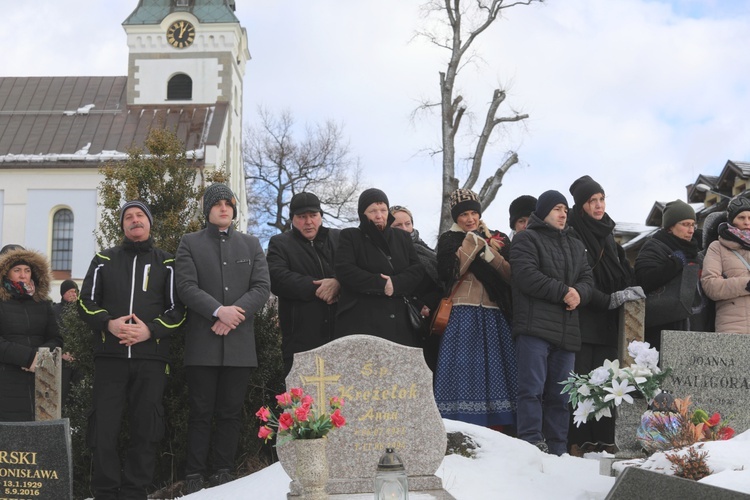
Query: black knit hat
[[304, 202], [521, 207], [463, 200], [583, 189], [674, 212], [214, 194], [138, 204], [737, 205], [368, 197], [67, 285], [547, 201]]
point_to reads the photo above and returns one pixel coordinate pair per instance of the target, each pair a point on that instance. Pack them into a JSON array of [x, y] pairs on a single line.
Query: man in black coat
[[129, 301], [301, 262], [551, 278]]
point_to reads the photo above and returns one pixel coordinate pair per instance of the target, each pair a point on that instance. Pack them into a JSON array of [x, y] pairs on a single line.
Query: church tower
[[192, 53]]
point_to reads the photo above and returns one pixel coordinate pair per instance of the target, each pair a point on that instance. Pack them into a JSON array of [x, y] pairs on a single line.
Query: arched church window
[[62, 240], [180, 88]]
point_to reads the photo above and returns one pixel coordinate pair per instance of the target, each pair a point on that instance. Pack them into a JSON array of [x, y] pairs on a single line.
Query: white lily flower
[[584, 390], [613, 366], [619, 392], [582, 412]]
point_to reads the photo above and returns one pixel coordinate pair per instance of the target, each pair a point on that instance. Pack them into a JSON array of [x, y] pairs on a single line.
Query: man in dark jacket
[[302, 277], [68, 300], [129, 301], [551, 278], [222, 277]]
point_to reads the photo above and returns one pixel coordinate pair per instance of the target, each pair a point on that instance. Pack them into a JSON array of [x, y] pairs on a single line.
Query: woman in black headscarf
[[378, 270], [599, 319]]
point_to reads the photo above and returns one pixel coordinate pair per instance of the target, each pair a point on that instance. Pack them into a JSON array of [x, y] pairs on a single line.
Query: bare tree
[[278, 166], [463, 22]]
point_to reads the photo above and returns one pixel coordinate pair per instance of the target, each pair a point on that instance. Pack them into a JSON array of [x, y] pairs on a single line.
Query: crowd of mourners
[[527, 309]]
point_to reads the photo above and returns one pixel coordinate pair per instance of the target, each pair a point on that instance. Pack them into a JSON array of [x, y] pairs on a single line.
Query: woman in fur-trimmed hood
[[27, 322]]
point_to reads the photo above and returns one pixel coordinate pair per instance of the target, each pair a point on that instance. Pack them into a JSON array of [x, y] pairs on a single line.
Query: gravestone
[[35, 460], [388, 402], [635, 483], [711, 368]]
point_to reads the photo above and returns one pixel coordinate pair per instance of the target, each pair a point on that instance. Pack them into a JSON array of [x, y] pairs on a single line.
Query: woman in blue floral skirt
[[476, 376]]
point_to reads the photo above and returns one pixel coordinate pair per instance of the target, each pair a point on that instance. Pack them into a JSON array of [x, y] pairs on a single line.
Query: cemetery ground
[[504, 467]]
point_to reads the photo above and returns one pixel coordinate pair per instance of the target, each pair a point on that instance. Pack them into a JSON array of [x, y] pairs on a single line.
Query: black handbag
[[673, 301], [414, 315]]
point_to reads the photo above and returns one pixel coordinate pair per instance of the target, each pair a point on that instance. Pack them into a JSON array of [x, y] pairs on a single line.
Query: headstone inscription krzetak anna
[[387, 390]]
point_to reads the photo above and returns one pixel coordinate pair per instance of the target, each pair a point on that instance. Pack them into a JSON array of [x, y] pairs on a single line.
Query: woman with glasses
[[663, 257], [726, 269]]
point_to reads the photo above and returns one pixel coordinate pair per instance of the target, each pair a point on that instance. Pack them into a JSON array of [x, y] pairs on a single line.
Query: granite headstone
[[711, 368], [35, 460], [387, 389], [635, 483]]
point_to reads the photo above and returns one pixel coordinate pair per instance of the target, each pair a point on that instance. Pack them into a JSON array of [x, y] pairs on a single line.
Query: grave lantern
[[391, 480]]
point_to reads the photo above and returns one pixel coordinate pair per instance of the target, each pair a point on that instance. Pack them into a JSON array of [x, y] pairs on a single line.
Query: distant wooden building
[[708, 194], [185, 72]]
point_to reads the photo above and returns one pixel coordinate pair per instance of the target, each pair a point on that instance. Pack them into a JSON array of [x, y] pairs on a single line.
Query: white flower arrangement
[[595, 394]]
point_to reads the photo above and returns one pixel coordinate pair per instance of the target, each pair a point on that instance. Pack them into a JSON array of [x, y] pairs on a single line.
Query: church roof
[[80, 121], [207, 11]]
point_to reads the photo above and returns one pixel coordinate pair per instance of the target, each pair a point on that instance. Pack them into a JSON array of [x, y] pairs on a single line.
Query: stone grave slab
[[387, 390], [636, 483], [712, 368], [35, 460]]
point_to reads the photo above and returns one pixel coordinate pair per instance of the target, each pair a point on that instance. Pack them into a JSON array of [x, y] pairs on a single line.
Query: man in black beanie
[[551, 278], [129, 301], [301, 264], [222, 278]]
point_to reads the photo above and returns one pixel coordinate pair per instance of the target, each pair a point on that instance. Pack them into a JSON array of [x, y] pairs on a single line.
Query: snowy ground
[[505, 467]]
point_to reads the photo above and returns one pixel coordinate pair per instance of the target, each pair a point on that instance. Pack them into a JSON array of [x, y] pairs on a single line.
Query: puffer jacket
[[26, 324], [546, 262], [725, 279]]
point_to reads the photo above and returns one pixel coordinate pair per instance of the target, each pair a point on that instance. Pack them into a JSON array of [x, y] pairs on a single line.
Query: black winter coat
[[294, 262], [131, 278], [363, 307], [545, 263], [26, 324]]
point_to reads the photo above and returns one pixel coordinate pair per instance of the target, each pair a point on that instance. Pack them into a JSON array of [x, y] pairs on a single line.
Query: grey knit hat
[[214, 194], [463, 200], [674, 212], [138, 204], [737, 205]]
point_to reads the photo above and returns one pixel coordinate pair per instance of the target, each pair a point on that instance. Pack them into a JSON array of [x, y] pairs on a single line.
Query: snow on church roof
[[84, 120]]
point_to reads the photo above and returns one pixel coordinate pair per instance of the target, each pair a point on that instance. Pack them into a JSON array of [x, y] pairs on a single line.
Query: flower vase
[[627, 422], [312, 467]]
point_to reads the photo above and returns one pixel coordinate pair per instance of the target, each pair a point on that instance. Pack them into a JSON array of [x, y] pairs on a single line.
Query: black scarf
[[426, 256], [689, 248], [448, 264], [609, 273]]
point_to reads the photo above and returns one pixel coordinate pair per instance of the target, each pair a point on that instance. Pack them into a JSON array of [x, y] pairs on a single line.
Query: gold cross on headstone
[[320, 379]]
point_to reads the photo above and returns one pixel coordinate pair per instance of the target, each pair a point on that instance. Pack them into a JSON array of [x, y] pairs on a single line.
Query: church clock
[[181, 34]]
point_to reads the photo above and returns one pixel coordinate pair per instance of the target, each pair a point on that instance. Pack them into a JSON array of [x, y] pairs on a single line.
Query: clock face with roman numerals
[[181, 34]]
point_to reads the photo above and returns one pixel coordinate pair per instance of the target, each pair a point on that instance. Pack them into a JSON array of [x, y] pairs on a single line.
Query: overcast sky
[[643, 95]]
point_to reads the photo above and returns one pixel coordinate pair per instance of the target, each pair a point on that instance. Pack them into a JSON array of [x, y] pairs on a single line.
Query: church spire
[[206, 11]]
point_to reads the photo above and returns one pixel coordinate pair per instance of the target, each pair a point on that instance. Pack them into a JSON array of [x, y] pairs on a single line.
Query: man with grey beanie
[[222, 277]]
